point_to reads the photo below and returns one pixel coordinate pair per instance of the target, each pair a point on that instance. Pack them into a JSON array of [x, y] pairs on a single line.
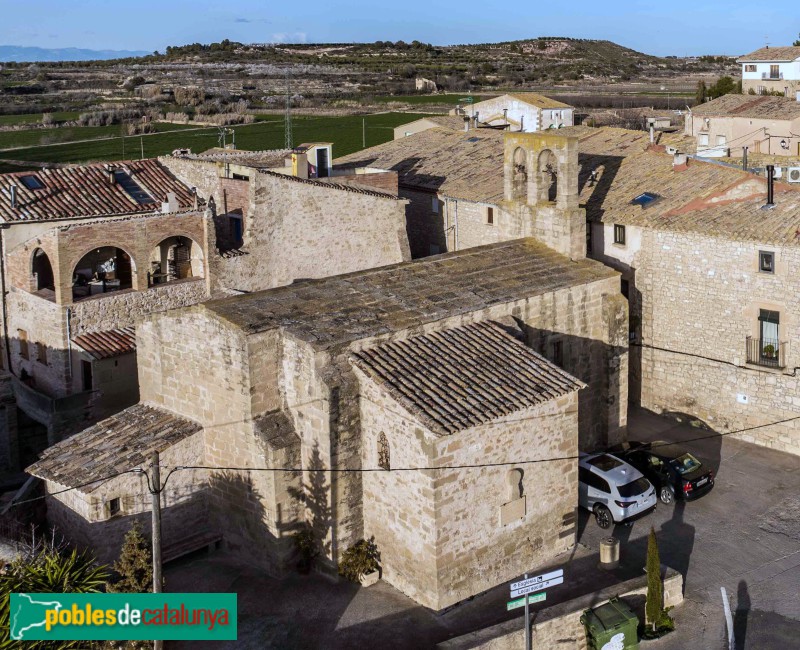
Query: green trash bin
[[612, 626]]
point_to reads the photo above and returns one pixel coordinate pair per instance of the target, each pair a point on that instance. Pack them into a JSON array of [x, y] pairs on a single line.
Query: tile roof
[[265, 159], [117, 444], [788, 53], [463, 164], [463, 377], [764, 107], [469, 164], [109, 343], [539, 100], [85, 191], [706, 198], [342, 309]]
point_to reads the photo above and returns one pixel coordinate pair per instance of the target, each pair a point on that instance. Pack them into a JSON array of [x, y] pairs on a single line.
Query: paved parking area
[[744, 536]]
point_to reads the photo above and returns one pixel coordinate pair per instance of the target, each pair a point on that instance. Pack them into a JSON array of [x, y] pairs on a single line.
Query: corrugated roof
[[764, 107], [342, 309], [86, 191], [463, 377], [788, 53], [108, 343], [117, 444]]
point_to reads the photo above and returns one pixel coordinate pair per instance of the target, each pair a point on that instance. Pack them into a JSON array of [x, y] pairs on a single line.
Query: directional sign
[[520, 602], [558, 573], [466, 100], [537, 587]]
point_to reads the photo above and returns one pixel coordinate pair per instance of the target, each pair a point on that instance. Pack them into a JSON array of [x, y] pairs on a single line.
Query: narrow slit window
[[490, 216], [766, 261], [619, 234]]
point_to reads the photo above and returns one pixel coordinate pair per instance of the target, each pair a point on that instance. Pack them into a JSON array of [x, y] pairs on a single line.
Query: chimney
[[744, 157], [110, 169], [505, 115], [680, 161], [521, 122], [13, 197], [171, 204], [466, 122], [652, 133], [194, 198], [770, 184]]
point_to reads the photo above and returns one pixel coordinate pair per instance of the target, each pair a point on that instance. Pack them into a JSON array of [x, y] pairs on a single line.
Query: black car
[[671, 469]]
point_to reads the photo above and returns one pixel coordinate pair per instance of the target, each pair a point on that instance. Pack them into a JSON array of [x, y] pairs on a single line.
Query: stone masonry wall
[[399, 507], [85, 520], [700, 299], [475, 549], [310, 230]]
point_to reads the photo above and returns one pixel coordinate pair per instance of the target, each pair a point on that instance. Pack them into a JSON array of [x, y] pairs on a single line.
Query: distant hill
[[34, 54]]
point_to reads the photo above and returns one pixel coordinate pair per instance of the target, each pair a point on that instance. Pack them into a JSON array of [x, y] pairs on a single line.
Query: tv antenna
[[288, 118]]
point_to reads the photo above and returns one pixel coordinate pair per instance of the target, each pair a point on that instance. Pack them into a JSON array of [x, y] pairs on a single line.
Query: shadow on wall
[[593, 362], [315, 494]]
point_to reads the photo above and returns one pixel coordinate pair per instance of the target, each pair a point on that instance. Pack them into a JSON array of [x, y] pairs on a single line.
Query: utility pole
[[141, 141], [288, 118], [363, 133], [527, 621], [155, 491]]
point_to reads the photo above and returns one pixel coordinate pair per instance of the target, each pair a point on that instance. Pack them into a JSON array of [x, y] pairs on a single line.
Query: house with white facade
[[520, 112], [772, 69]]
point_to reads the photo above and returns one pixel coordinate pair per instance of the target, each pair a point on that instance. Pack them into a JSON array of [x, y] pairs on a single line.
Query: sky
[[678, 27]]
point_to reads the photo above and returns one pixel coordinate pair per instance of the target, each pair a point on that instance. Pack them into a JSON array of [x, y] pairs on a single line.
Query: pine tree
[[135, 564], [654, 605]]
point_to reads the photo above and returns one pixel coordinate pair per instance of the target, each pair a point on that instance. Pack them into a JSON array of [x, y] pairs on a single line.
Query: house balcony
[[765, 352], [772, 76]]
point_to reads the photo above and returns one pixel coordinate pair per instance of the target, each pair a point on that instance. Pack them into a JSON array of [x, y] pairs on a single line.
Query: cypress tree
[[654, 606]]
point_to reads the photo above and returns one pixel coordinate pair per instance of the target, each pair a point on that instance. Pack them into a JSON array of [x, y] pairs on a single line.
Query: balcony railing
[[774, 76], [765, 352]]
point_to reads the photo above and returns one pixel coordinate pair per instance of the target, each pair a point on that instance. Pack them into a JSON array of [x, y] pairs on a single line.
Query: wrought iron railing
[[766, 352], [771, 75]]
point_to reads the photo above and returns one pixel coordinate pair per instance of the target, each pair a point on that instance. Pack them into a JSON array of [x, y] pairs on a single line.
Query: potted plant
[[360, 562], [769, 351], [307, 547]]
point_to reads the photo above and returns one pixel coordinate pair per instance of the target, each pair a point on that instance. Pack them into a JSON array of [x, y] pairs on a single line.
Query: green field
[[345, 132], [31, 118], [429, 99]]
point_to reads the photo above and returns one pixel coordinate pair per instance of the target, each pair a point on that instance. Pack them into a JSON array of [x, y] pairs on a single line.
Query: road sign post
[[529, 586]]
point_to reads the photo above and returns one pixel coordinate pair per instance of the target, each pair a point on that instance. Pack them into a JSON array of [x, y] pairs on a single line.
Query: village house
[[526, 112], [90, 249], [770, 70], [724, 126]]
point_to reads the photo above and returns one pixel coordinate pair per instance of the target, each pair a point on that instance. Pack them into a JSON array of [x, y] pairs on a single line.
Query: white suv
[[613, 490]]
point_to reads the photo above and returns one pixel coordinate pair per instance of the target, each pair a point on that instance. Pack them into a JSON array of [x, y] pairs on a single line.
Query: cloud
[[288, 37], [250, 20]]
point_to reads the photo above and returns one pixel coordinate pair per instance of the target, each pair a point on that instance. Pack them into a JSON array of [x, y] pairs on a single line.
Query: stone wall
[[425, 227], [306, 229], [700, 300], [560, 626], [84, 518]]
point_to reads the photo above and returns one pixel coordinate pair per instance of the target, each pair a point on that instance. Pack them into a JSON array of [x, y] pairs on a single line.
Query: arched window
[[548, 176], [520, 174], [175, 258], [42, 271], [516, 490], [384, 462], [102, 270]]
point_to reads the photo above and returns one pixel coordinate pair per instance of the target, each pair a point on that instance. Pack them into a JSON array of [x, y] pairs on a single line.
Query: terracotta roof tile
[[117, 444], [463, 377], [764, 107], [342, 309], [85, 191], [788, 53], [109, 343]]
